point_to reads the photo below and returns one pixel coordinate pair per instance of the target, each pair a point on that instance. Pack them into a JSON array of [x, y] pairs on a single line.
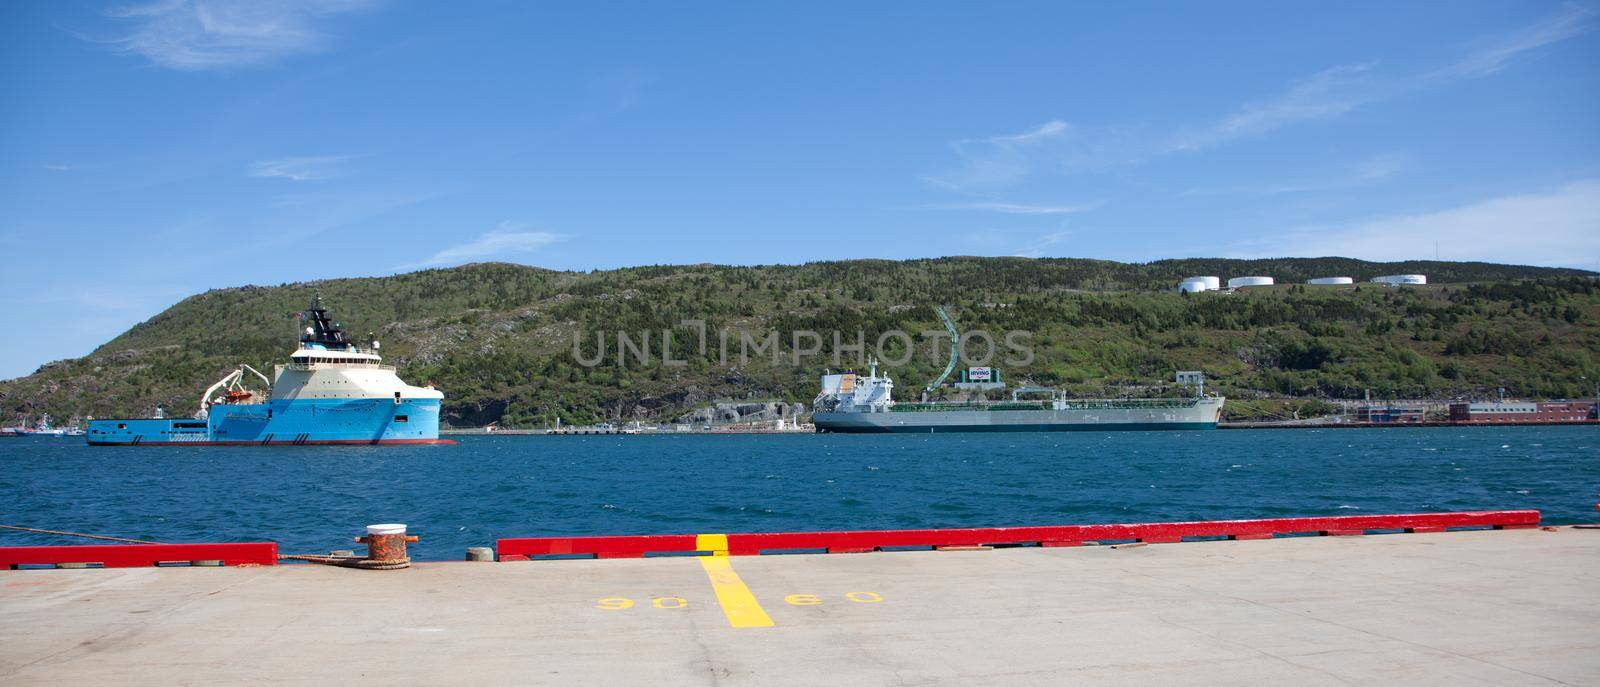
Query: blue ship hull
[[297, 422]]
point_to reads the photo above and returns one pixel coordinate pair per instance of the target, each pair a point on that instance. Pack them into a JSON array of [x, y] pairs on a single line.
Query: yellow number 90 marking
[[615, 603]]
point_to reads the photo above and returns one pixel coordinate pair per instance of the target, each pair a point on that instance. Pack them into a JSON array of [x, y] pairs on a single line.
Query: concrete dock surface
[[1458, 608]]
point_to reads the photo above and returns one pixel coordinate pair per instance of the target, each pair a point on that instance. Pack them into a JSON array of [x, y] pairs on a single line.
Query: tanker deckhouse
[[330, 392]]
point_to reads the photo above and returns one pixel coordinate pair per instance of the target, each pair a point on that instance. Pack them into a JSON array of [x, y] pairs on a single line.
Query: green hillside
[[498, 338]]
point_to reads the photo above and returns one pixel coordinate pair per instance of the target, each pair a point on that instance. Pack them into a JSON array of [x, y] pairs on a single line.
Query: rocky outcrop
[[727, 413], [475, 414]]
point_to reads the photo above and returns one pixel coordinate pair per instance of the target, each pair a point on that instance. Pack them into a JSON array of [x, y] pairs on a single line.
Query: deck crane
[[233, 387], [955, 353]]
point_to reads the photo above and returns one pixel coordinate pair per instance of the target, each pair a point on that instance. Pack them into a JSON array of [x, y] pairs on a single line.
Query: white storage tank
[[1212, 283], [1241, 282], [1397, 279], [1194, 285], [1330, 281]]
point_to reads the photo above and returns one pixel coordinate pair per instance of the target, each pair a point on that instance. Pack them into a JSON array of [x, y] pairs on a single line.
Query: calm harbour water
[[312, 499]]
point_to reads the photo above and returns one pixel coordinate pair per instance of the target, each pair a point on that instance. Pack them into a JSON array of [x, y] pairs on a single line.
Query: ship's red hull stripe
[[755, 543]]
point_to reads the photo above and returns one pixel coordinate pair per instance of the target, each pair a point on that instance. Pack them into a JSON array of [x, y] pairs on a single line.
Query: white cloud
[[1560, 227], [1571, 21], [1000, 161], [1020, 208], [1329, 93], [1038, 246], [199, 35], [1048, 130], [1381, 167], [57, 168], [1373, 170], [309, 168], [510, 239]]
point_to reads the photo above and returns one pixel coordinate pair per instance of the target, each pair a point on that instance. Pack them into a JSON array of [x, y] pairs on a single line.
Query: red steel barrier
[[140, 555], [750, 544], [634, 546]]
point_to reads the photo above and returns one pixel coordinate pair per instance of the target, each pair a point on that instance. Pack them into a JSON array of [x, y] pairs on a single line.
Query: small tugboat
[[330, 392]]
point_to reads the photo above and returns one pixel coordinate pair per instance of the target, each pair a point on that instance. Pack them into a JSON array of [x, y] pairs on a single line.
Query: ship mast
[[323, 330]]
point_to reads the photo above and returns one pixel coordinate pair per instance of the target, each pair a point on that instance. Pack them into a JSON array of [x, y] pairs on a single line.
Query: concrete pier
[[1460, 608]]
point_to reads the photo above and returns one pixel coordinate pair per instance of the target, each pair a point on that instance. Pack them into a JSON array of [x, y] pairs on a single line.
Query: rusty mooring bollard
[[386, 547]]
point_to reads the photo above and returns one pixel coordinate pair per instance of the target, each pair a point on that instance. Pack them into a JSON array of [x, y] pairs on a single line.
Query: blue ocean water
[[313, 499]]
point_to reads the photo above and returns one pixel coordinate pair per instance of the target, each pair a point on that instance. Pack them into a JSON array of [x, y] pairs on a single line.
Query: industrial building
[[1330, 281], [1524, 412], [1391, 413]]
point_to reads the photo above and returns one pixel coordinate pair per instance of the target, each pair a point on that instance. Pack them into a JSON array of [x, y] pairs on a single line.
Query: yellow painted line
[[737, 602], [715, 543]]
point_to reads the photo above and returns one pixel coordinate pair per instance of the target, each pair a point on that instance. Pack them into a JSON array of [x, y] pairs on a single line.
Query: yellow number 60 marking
[[615, 603]]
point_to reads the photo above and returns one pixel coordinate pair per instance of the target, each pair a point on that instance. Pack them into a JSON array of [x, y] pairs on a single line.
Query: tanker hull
[[1153, 414]]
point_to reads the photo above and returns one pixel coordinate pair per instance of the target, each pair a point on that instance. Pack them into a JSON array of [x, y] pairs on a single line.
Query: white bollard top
[[392, 528]]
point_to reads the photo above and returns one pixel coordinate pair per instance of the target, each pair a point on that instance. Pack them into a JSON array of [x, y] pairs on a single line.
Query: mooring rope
[[317, 558], [346, 561], [77, 534]]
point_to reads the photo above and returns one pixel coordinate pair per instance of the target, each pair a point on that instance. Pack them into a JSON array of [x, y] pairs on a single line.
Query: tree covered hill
[[499, 338]]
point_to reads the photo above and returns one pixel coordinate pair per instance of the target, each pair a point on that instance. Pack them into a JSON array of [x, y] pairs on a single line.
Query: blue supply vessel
[[330, 392]]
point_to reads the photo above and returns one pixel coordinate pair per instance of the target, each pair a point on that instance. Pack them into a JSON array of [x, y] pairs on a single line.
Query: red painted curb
[[749, 544], [140, 555]]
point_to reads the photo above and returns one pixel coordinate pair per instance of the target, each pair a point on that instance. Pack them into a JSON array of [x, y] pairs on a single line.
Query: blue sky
[[152, 151]]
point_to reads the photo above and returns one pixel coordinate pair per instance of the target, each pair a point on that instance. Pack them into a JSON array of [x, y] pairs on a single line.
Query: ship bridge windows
[[314, 359]]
